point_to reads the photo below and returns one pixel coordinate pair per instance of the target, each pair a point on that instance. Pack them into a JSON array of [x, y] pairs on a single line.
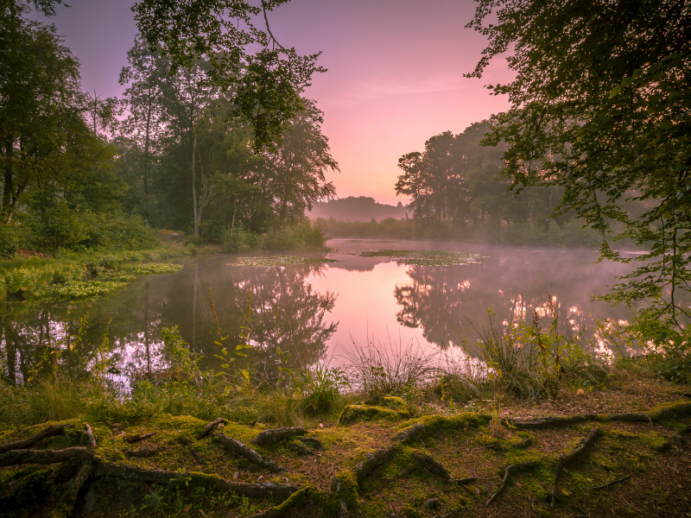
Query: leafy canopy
[[266, 84], [601, 106]]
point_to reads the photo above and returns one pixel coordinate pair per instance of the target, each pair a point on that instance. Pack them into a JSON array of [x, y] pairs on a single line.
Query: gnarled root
[[248, 453], [432, 466], [510, 470], [373, 460], [566, 459], [51, 431], [17, 457], [146, 451]]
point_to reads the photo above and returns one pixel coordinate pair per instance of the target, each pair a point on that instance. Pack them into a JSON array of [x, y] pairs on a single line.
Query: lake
[[314, 311]]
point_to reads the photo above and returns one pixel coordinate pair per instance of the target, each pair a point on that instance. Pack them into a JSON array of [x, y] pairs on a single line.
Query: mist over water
[[314, 311]]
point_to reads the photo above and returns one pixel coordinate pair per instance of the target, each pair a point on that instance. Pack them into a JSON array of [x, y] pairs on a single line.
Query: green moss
[[670, 410], [353, 413], [655, 441], [393, 402], [463, 421]]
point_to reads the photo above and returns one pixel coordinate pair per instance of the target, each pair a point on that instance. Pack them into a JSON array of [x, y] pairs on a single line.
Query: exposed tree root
[[548, 422], [311, 441], [79, 480], [209, 427], [51, 431], [410, 433], [373, 460], [90, 434], [17, 457], [277, 435], [168, 478], [609, 484], [566, 459], [432, 466], [137, 438], [146, 451], [510, 470], [297, 499], [631, 418], [248, 453], [301, 450]]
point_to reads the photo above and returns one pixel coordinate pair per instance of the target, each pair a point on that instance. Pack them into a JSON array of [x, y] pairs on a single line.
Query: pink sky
[[395, 73]]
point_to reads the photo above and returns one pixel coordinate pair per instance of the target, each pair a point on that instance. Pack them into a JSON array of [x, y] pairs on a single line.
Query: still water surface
[[314, 311]]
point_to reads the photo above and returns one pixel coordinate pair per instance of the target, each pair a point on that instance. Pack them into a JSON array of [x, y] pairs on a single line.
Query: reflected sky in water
[[311, 311]]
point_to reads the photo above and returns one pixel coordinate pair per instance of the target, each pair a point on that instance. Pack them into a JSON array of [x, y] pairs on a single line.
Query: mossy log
[[51, 431], [248, 453], [277, 435]]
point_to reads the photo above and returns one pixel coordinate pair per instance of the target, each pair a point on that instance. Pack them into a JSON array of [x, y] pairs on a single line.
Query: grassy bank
[[356, 447], [70, 275]]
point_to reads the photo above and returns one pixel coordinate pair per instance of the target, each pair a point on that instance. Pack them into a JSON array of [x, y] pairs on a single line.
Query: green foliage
[[299, 237], [322, 389], [529, 362]]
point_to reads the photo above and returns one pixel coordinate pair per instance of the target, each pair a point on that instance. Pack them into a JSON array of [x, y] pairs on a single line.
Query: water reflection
[[448, 303], [309, 311], [287, 314]]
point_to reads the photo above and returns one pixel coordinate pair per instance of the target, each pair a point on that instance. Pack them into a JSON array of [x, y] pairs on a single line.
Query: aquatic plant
[[427, 257], [279, 260]]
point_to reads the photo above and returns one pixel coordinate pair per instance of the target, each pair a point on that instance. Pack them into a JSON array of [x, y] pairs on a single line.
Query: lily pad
[[280, 260], [427, 257]]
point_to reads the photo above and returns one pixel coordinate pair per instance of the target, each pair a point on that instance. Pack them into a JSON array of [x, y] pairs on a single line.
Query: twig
[[608, 484]]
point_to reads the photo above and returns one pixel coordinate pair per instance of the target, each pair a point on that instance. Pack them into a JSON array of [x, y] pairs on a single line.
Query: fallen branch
[[248, 453], [16, 457], [277, 435], [209, 427], [564, 460], [51, 431], [510, 470], [609, 484], [90, 434], [137, 438]]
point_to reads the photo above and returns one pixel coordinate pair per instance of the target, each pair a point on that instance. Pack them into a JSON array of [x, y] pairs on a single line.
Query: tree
[[42, 107], [144, 98], [265, 86], [601, 106]]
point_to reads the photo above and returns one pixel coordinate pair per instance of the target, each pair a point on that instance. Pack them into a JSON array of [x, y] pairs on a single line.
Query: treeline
[[78, 171], [455, 189]]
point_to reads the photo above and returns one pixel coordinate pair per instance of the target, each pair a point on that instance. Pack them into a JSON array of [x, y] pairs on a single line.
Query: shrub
[[322, 387]]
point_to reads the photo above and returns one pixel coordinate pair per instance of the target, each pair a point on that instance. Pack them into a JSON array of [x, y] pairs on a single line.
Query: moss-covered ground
[[466, 444]]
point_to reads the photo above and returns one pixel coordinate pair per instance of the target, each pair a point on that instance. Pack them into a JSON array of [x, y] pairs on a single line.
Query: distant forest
[[358, 209]]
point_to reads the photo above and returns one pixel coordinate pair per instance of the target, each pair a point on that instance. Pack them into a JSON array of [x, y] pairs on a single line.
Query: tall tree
[[601, 106], [145, 75]]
